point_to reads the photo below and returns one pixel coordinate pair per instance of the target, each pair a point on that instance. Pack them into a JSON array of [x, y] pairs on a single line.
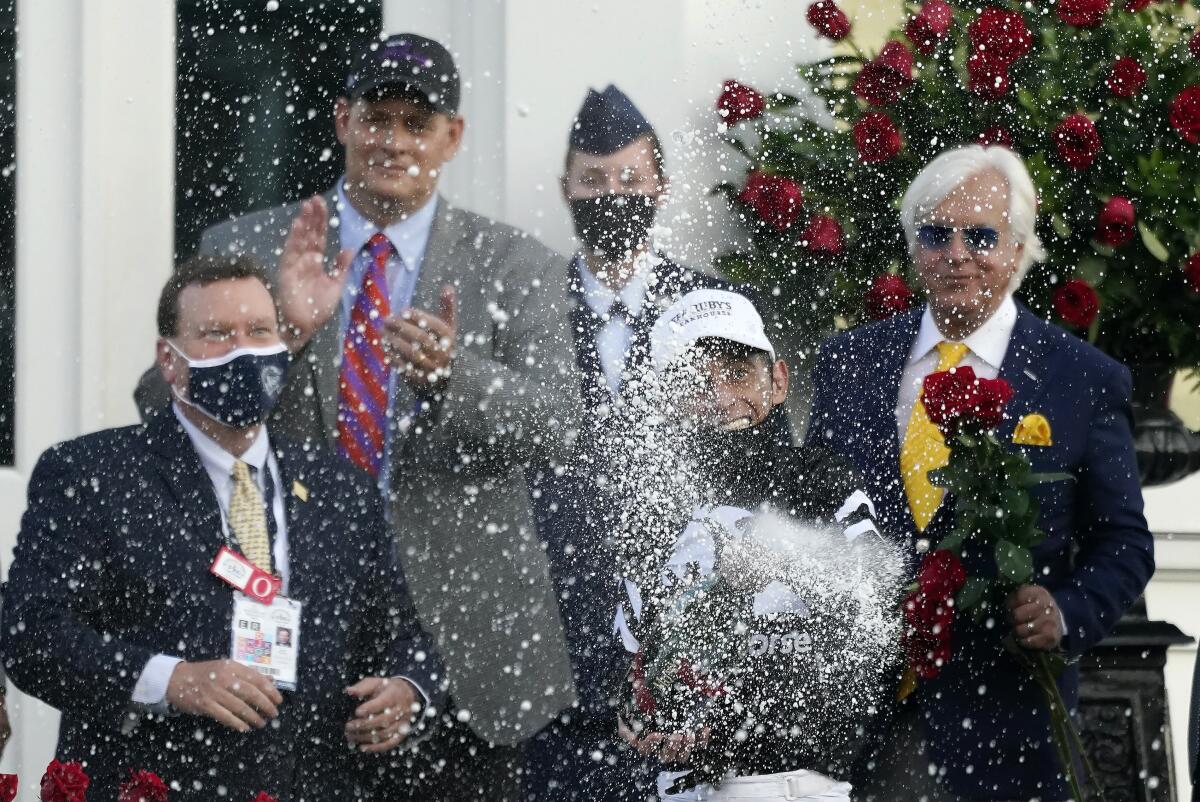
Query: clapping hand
[[421, 344], [309, 293]]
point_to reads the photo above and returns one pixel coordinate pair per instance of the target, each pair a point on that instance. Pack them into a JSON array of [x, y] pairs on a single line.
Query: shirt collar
[[989, 342], [216, 460], [408, 235], [600, 298]]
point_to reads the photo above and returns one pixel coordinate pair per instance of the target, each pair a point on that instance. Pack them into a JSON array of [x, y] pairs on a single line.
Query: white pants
[[790, 786]]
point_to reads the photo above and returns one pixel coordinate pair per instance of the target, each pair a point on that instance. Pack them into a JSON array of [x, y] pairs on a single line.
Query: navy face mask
[[238, 389]]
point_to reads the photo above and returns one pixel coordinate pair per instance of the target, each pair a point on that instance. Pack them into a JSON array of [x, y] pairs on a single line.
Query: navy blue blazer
[[112, 567], [986, 723]]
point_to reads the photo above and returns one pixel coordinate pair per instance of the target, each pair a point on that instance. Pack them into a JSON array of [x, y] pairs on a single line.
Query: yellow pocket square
[[1033, 430], [299, 491]]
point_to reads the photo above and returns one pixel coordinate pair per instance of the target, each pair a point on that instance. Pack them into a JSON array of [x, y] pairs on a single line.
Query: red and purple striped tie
[[363, 381]]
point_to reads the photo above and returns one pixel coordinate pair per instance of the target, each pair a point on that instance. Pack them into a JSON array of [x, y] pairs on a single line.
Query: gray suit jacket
[[459, 504], [1194, 732]]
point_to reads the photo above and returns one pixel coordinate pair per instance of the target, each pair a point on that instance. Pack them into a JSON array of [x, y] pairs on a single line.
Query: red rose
[[1000, 37], [142, 786], [823, 234], [739, 102], [64, 782], [888, 296], [1194, 45], [1077, 141], [775, 198], [1114, 224], [1134, 6], [1126, 78], [955, 397], [941, 574], [829, 20], [995, 137], [986, 78], [1077, 303], [876, 137], [884, 78], [1083, 13], [8, 787], [1191, 272], [1185, 114], [929, 26]]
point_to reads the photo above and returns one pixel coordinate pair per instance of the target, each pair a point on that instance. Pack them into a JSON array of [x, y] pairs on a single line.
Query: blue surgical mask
[[238, 389]]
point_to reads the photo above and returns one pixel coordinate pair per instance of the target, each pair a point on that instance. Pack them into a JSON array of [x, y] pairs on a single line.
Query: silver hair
[[950, 170]]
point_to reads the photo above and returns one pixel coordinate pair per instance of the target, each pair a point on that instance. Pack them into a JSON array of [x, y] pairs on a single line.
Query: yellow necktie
[[924, 449], [248, 518]]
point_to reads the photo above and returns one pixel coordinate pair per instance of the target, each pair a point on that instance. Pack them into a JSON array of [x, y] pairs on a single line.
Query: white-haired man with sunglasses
[[981, 730]]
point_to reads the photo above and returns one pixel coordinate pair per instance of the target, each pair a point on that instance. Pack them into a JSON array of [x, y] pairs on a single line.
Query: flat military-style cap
[[607, 121], [406, 62]]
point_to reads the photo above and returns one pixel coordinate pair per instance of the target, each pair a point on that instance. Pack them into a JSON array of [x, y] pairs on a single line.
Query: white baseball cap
[[706, 313]]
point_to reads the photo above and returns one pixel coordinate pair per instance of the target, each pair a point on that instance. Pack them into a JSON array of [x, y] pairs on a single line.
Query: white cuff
[[420, 690], [151, 688]]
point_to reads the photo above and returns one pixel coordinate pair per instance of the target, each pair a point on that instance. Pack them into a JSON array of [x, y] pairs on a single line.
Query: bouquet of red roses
[[994, 514]]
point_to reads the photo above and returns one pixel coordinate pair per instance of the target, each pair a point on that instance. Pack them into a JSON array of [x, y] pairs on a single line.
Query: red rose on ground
[[1000, 37], [142, 786], [995, 137], [775, 198], [64, 782], [929, 26], [1191, 272], [8, 787], [884, 78], [1077, 303], [876, 137], [941, 574], [1077, 141], [1114, 224], [986, 78], [888, 296], [1126, 78], [823, 234], [957, 396], [1083, 13], [829, 20], [739, 102], [1185, 114]]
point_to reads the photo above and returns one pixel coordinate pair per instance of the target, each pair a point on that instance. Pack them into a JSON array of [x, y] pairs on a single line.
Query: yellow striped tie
[[248, 517], [924, 449]]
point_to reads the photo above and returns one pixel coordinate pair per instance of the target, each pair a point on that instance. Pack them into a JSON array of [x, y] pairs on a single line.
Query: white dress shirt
[[986, 347], [410, 238], [151, 687], [614, 336]]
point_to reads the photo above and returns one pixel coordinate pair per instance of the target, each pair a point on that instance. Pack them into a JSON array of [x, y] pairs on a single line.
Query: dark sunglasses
[[978, 239]]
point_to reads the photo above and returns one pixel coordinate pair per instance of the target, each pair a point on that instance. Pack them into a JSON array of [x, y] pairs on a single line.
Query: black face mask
[[614, 225]]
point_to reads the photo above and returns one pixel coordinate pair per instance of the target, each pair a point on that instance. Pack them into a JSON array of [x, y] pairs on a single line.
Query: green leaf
[[1153, 243], [1015, 563], [1060, 226], [972, 593]]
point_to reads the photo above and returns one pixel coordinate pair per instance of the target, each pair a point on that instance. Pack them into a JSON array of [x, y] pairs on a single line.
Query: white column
[[95, 177]]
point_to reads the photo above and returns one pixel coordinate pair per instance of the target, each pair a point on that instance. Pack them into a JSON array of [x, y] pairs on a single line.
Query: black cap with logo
[[406, 63]]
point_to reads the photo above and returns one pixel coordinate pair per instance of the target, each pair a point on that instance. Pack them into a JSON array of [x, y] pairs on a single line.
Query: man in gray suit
[[445, 407]]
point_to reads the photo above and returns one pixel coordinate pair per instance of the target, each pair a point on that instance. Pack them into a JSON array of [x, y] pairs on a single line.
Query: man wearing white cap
[[745, 731]]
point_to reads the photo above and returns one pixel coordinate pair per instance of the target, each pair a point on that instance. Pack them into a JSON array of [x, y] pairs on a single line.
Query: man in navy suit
[[981, 730], [117, 614]]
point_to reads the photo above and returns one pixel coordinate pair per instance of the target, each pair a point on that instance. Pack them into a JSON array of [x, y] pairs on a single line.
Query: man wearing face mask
[[614, 182], [157, 564]]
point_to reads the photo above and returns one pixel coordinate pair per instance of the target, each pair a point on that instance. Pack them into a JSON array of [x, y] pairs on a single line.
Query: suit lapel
[[302, 555], [1023, 368], [175, 460]]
